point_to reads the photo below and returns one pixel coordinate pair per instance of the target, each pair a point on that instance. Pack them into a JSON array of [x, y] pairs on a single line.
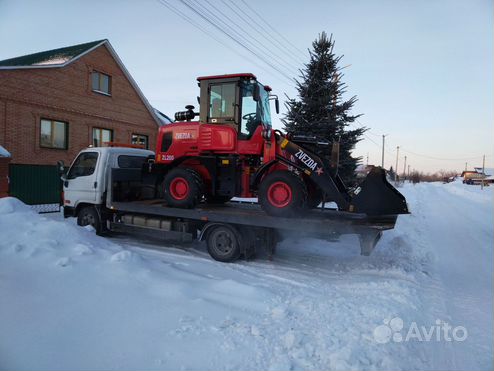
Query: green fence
[[37, 185]]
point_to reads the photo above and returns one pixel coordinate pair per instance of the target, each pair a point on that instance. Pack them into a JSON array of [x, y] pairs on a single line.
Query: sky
[[422, 70]]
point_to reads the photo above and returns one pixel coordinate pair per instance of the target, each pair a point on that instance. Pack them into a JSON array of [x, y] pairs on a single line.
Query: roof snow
[[52, 57], [4, 152]]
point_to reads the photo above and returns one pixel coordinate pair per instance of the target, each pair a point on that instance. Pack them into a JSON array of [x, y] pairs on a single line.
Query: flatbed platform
[[319, 221]]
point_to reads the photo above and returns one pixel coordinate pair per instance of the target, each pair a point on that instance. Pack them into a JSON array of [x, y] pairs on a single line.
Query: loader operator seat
[[252, 121]]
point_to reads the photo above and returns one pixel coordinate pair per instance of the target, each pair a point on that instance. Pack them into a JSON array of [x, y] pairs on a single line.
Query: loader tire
[[283, 194], [182, 188]]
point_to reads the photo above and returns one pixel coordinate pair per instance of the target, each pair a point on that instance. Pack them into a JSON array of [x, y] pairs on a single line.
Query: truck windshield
[[254, 113], [84, 165]]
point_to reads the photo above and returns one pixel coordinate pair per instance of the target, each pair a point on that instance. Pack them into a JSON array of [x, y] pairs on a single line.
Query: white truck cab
[[85, 183]]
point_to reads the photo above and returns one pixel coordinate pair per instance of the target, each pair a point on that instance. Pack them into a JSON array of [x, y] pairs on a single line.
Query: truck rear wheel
[[223, 244], [88, 215], [282, 193], [182, 188]]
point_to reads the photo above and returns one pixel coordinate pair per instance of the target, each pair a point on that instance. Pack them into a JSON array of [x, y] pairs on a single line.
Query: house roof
[[61, 57], [54, 57]]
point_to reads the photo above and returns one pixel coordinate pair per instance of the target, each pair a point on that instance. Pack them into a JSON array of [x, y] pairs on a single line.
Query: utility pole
[[408, 173], [466, 163], [396, 168], [483, 172], [382, 161], [405, 167]]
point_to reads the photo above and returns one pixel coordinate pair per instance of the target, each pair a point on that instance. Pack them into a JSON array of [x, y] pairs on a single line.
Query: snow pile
[[72, 300]]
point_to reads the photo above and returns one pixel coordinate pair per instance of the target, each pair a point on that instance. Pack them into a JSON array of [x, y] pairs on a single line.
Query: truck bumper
[[68, 212]]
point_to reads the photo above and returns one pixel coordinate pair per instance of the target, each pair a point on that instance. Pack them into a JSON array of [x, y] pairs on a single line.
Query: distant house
[[476, 176], [56, 102]]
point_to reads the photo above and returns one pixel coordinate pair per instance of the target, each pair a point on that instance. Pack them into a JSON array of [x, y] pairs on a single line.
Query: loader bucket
[[377, 197]]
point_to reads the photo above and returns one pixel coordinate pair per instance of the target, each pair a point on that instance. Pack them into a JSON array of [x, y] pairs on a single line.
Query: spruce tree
[[321, 109]]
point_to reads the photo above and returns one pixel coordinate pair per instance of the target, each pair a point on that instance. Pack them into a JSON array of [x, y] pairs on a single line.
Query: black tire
[[88, 215], [182, 188], [218, 199], [287, 183], [223, 244]]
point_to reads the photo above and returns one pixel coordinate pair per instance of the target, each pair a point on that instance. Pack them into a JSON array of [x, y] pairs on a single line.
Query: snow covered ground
[[71, 300]]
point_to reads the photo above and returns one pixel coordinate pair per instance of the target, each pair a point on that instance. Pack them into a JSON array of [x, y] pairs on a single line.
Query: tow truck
[[187, 189]]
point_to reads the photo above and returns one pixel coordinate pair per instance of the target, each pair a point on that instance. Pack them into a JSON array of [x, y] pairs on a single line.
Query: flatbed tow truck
[[107, 188], [184, 190]]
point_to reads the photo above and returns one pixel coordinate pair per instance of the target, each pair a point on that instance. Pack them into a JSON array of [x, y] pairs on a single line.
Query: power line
[[217, 15], [197, 25], [207, 19], [423, 155], [203, 29], [276, 43], [272, 28], [440, 158]]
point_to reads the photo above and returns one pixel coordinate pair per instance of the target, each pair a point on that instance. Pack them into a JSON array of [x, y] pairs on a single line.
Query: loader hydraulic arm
[[375, 196], [315, 169]]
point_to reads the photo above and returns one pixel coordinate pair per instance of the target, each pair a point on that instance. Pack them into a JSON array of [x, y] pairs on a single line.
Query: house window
[[101, 83], [140, 139], [53, 134], [102, 136]]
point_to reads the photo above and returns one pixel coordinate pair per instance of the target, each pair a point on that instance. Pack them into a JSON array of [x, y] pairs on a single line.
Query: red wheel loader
[[233, 151]]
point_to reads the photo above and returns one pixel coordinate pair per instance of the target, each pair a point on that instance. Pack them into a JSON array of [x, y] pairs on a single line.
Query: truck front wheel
[[88, 215]]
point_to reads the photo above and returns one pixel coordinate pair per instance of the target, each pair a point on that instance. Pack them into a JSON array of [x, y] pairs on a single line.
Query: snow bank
[[72, 300]]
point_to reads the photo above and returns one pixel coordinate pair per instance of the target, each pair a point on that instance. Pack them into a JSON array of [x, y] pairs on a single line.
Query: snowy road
[[71, 300]]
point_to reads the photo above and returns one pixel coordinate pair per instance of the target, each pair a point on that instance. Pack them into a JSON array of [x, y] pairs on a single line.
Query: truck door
[[81, 182]]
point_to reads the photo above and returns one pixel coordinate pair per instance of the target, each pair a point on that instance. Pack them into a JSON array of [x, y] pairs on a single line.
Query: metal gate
[[36, 185]]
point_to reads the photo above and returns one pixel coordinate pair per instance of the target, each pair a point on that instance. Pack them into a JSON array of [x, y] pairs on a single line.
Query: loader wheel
[[282, 193], [223, 244], [182, 188]]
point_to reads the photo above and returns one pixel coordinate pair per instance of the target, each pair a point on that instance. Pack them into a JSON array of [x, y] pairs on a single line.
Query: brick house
[[54, 103]]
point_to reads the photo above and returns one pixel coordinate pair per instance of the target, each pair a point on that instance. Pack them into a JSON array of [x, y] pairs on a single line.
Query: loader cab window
[[253, 113], [222, 103], [84, 165]]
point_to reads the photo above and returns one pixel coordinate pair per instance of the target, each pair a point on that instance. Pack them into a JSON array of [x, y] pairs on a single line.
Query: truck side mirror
[[256, 94], [277, 106], [60, 168]]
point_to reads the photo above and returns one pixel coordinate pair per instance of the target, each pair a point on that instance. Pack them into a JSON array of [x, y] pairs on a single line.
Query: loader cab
[[239, 101]]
